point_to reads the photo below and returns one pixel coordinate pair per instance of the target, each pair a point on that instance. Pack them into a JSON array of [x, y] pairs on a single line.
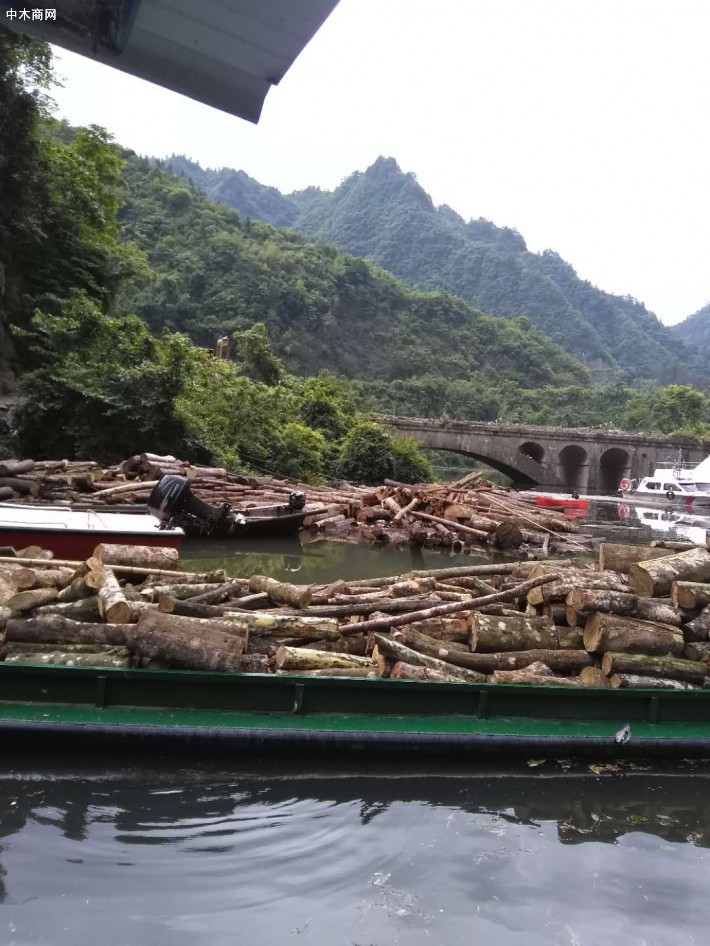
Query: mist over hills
[[695, 330], [383, 214]]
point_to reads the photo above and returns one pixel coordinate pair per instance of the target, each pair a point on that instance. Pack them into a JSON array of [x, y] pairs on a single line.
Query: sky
[[584, 124]]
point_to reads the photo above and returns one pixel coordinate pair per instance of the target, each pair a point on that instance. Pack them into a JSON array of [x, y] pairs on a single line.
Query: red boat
[[74, 535], [563, 501]]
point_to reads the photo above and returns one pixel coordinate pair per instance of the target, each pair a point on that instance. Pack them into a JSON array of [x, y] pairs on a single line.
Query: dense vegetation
[[95, 381], [384, 214], [217, 273], [695, 330]]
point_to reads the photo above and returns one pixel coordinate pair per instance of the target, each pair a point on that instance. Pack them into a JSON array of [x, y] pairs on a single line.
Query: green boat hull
[[149, 708]]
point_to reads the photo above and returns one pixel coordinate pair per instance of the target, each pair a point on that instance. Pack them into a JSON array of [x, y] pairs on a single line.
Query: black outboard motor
[[172, 500]]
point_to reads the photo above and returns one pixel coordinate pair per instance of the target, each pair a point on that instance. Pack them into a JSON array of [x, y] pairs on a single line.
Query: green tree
[[255, 356]]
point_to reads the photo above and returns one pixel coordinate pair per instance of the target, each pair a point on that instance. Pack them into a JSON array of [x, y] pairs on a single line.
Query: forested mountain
[[695, 330], [217, 272], [383, 214]]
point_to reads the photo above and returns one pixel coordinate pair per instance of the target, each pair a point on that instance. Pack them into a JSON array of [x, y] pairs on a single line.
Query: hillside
[[218, 273], [695, 330], [383, 214]]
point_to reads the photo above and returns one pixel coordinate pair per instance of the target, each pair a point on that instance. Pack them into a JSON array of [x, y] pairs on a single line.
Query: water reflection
[[165, 855]]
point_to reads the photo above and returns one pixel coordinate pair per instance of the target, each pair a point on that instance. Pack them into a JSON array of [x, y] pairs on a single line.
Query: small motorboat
[[174, 505], [73, 534], [667, 487]]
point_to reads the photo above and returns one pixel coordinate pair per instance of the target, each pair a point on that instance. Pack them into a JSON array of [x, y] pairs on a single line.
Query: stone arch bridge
[[581, 459]]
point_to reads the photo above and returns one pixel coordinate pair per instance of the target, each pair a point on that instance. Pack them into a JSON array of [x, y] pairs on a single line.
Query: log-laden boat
[[74, 534], [137, 708]]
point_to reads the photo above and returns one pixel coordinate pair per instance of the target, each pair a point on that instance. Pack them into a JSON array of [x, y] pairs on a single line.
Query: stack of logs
[[470, 514], [639, 618]]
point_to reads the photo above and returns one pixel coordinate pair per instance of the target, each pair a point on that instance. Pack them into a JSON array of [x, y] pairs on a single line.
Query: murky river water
[[188, 850], [273, 855]]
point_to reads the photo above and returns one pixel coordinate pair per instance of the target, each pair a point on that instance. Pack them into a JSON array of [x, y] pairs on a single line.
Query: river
[[349, 851], [351, 855]]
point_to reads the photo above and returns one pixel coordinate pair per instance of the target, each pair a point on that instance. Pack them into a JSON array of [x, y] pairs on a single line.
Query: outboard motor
[[172, 500]]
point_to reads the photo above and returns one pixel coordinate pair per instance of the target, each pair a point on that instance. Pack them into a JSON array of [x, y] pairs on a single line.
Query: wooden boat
[[73, 534], [83, 706], [565, 502]]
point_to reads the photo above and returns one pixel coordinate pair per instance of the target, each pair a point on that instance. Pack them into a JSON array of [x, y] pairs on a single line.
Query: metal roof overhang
[[224, 53]]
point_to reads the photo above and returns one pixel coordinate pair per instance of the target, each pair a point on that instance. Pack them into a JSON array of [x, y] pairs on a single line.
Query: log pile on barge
[[471, 514], [644, 623]]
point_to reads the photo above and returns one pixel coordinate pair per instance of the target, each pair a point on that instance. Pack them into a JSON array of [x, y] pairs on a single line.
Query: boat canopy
[[224, 53]]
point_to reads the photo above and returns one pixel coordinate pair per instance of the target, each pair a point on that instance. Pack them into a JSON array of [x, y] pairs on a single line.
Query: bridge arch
[[614, 465], [521, 477], [573, 466], [534, 450]]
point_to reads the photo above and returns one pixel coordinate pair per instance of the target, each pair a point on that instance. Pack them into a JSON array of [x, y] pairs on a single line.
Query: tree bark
[[486, 663], [619, 558], [690, 594], [653, 579], [24, 487], [284, 625], [208, 649], [582, 601], [226, 591], [188, 608], [27, 600], [26, 579], [302, 658], [607, 632], [594, 581], [86, 609], [297, 596], [536, 673], [73, 659], [78, 589], [52, 628], [404, 671], [113, 607], [699, 628], [697, 650], [495, 634], [397, 620], [671, 668], [16, 467], [570, 638], [627, 680], [145, 556], [161, 621], [343, 645], [180, 590], [399, 652]]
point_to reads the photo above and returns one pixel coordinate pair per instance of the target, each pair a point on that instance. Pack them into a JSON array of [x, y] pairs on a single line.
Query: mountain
[[217, 272], [383, 214], [695, 330]]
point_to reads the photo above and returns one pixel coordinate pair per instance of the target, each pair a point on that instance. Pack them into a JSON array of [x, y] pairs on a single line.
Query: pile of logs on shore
[[470, 514], [639, 617]]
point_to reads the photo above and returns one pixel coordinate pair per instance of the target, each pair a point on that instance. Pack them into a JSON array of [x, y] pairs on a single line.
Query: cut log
[[161, 621], [302, 658], [113, 607], [699, 628], [653, 579], [607, 632], [180, 590], [632, 680], [690, 594], [209, 649], [507, 536], [52, 628], [343, 645], [362, 672], [223, 592], [125, 488], [6, 492], [118, 658], [28, 600], [25, 487], [297, 596], [556, 611], [570, 638], [145, 556], [492, 634], [404, 671], [16, 467], [593, 677], [558, 591], [188, 608], [28, 578], [697, 650], [451, 607], [619, 558], [78, 589], [582, 601], [672, 668], [281, 625], [86, 609], [399, 652], [561, 660], [537, 673], [413, 587]]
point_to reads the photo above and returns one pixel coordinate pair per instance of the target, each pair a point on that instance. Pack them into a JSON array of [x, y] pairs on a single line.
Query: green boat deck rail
[[262, 711]]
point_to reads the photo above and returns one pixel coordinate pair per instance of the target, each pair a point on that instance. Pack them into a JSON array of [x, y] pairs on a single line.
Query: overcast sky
[[584, 124]]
